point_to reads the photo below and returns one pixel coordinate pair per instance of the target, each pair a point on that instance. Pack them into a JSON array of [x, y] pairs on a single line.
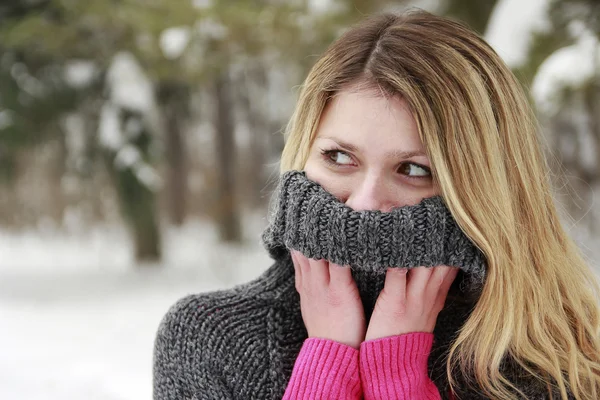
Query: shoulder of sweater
[[205, 339], [223, 313]]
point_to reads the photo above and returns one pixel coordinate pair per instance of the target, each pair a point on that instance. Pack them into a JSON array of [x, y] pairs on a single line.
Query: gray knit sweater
[[241, 343]]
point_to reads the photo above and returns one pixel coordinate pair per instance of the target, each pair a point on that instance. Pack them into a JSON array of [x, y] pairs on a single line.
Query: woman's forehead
[[359, 117]]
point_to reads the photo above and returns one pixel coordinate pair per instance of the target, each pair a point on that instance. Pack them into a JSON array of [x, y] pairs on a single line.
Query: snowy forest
[[139, 144]]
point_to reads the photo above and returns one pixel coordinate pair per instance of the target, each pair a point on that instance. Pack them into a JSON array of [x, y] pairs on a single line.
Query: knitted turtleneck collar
[[307, 218]]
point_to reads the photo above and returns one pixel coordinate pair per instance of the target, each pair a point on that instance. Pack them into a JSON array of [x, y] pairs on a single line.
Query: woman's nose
[[371, 193]]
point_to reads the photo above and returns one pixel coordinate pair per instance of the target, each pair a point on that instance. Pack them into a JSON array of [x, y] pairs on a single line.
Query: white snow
[[32, 86], [510, 27], [6, 118], [202, 4], [173, 41], [129, 89], [109, 128], [432, 6], [78, 320], [28, 83], [211, 28], [148, 176], [128, 84], [18, 71], [320, 7], [570, 66], [80, 73], [127, 157]]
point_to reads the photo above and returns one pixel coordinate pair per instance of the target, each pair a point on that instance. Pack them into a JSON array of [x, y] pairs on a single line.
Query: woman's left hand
[[410, 300]]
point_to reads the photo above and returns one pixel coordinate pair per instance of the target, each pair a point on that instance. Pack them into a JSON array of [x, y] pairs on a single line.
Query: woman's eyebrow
[[401, 154]]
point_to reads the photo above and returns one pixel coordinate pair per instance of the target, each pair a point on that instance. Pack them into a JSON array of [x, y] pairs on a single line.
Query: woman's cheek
[[339, 187], [333, 183]]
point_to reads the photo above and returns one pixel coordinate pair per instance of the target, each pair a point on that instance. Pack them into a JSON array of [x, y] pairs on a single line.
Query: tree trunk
[[138, 204], [174, 100], [137, 201], [56, 171], [227, 213], [591, 95], [254, 112]]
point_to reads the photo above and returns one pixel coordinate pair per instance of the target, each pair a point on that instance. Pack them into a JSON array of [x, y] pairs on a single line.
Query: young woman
[[418, 252]]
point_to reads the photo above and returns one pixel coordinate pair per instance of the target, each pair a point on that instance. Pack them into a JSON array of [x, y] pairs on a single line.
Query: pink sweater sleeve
[[325, 369], [395, 367]]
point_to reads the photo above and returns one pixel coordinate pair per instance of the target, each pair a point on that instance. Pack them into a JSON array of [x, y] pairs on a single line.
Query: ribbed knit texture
[[307, 218], [325, 369], [391, 368], [242, 343], [396, 368]]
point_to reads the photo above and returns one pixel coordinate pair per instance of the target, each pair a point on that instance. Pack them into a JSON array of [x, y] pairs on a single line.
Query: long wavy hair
[[540, 302]]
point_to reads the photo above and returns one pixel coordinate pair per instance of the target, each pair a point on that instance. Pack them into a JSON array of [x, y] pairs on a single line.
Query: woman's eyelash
[[327, 153]]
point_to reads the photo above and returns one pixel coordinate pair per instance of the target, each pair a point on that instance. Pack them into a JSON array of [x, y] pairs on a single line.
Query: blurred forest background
[[148, 113], [147, 132]]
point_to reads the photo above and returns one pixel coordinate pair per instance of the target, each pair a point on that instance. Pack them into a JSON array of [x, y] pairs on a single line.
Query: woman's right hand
[[329, 300]]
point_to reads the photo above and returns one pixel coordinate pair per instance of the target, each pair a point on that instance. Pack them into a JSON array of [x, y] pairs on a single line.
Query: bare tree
[[227, 212]]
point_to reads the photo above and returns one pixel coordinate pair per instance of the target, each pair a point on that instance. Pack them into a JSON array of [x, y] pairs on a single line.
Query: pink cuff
[[395, 367], [325, 369]]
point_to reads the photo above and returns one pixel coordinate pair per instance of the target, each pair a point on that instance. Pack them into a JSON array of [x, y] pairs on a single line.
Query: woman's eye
[[338, 157], [411, 170], [414, 170]]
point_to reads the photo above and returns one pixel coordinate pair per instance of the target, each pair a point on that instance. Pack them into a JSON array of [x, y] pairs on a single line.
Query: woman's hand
[[410, 300], [329, 300]]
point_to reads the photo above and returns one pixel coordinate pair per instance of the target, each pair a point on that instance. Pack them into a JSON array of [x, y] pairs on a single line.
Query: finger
[[445, 288], [449, 278], [435, 281], [297, 271], [418, 280], [395, 284], [340, 276], [395, 281], [303, 267], [318, 272]]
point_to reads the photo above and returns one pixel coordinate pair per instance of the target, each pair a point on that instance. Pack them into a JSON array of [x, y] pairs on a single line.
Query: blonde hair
[[539, 305]]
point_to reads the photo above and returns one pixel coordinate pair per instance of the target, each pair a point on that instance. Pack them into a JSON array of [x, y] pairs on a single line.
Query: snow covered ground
[[77, 321]]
